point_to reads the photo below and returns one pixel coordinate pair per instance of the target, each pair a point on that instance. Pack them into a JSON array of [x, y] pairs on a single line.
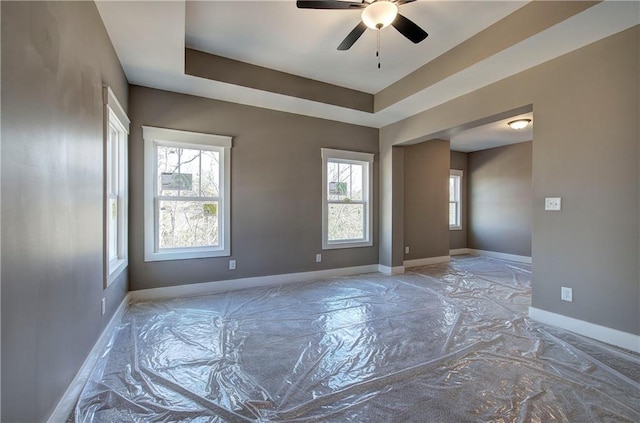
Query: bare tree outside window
[[346, 206], [188, 189]]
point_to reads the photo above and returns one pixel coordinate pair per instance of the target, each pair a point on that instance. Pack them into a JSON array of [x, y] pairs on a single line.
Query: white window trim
[[185, 139], [458, 173], [348, 157], [115, 115]]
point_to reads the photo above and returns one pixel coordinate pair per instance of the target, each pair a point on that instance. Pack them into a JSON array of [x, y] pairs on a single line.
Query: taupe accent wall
[[56, 56], [586, 107], [500, 199], [426, 199], [458, 237], [276, 188], [218, 68]]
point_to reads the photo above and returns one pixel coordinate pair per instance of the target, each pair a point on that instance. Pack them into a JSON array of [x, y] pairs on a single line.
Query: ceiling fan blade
[[328, 4], [353, 36], [409, 29], [400, 2]]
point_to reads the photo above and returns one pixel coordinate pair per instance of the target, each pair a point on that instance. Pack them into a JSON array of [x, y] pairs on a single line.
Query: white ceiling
[[278, 35], [149, 38]]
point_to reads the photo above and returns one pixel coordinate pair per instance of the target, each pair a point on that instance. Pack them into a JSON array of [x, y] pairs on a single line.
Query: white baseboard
[[459, 251], [69, 399], [426, 261], [254, 282], [389, 271], [590, 330], [503, 256]]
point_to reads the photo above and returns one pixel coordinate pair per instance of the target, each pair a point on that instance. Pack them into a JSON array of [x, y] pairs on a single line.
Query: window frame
[[116, 186], [222, 144], [457, 174], [350, 157]]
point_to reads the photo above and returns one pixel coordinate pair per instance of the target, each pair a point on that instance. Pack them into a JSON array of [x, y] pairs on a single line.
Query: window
[[455, 202], [187, 191], [116, 128], [347, 193]]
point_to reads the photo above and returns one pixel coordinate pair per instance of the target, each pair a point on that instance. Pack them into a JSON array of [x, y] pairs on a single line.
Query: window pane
[[168, 159], [345, 181], [188, 172], [334, 189], [188, 224], [453, 214], [452, 188], [210, 173], [188, 176], [345, 222], [356, 182], [112, 161], [112, 228]]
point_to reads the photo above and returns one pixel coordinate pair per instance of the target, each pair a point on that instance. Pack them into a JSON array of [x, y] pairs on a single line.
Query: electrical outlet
[[232, 265], [103, 306], [318, 258], [406, 250], [566, 294], [552, 203]]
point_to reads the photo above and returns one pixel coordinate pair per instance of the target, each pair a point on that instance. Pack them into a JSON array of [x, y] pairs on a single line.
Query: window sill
[[115, 269], [339, 245], [455, 228], [185, 254]]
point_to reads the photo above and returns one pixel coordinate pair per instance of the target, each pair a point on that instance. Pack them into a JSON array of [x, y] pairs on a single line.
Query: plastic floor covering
[[443, 343]]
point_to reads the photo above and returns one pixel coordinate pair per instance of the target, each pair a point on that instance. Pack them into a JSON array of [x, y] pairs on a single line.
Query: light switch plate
[[232, 265], [552, 203]]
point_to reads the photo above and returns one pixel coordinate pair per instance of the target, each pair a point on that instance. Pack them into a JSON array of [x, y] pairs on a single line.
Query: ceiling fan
[[377, 14]]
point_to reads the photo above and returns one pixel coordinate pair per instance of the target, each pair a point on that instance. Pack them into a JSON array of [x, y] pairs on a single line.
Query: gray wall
[[391, 248], [55, 58], [500, 199], [426, 199], [586, 133], [458, 237], [276, 182]]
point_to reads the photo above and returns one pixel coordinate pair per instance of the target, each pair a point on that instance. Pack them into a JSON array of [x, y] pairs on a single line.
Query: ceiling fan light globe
[[379, 14]]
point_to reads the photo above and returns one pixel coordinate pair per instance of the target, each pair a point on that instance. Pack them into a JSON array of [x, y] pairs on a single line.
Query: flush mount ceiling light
[[379, 14], [519, 123]]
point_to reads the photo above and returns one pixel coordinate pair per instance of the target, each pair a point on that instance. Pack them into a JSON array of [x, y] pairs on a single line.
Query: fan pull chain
[[378, 48]]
